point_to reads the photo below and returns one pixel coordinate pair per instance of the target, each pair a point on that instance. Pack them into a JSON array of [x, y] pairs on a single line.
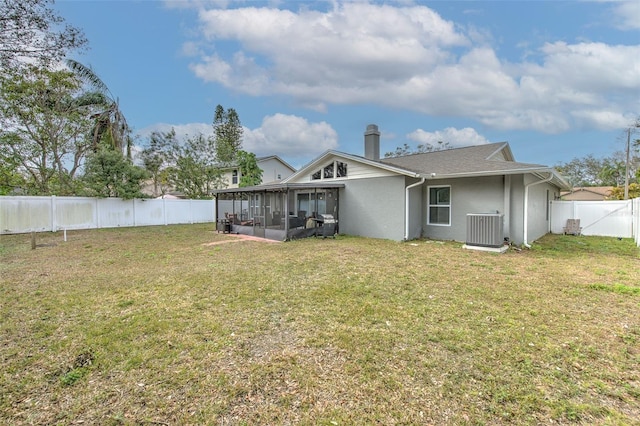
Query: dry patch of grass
[[158, 326]]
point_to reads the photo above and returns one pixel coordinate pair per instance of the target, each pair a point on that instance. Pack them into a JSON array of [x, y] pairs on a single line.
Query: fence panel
[[603, 218], [74, 212], [25, 214], [148, 212], [202, 211], [115, 212], [29, 214]]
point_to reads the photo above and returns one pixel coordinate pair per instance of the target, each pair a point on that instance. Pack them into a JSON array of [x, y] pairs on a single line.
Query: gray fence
[[37, 214]]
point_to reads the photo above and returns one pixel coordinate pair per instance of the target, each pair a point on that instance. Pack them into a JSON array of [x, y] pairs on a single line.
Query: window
[[328, 171], [312, 203], [341, 169], [333, 170], [439, 205], [234, 177]]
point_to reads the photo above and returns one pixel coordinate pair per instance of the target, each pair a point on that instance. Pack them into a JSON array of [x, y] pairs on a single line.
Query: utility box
[[485, 229]]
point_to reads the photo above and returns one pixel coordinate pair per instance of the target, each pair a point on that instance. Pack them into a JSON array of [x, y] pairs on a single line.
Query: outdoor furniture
[[224, 226], [295, 222], [233, 218], [572, 227]]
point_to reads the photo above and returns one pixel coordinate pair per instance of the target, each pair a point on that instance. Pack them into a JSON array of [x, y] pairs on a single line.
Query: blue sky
[[556, 79]]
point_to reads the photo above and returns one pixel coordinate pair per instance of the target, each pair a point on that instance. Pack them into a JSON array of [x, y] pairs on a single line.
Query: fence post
[[164, 210], [53, 213], [97, 221]]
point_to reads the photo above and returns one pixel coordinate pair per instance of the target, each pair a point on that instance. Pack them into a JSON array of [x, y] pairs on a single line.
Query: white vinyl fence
[[604, 218], [636, 220], [37, 214]]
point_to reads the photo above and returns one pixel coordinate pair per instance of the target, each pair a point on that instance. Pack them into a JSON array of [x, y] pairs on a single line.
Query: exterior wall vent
[[485, 229]]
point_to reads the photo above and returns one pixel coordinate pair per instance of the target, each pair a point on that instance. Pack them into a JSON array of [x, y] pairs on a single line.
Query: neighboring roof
[[275, 157], [262, 159], [596, 192]]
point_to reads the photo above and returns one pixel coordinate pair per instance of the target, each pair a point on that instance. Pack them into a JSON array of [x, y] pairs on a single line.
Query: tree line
[[62, 131], [608, 171]]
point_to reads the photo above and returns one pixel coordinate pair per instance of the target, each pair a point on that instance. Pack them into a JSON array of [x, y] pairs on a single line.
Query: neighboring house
[[420, 195], [587, 193], [274, 169]]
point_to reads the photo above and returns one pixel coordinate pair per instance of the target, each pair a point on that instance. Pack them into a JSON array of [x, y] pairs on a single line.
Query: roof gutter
[[526, 206], [406, 207]]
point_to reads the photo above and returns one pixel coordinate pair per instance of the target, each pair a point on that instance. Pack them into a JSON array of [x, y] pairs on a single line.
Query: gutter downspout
[[526, 206], [406, 207]]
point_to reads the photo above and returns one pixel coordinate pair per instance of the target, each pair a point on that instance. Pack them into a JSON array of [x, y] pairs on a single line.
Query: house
[[427, 195], [587, 193], [274, 169]]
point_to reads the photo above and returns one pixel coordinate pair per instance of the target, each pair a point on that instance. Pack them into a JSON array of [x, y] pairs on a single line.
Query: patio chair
[[573, 227]]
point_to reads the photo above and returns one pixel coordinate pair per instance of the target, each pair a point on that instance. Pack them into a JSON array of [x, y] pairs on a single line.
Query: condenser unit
[[485, 229]]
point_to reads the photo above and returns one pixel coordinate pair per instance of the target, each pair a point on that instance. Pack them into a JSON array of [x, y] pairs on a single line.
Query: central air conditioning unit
[[485, 229]]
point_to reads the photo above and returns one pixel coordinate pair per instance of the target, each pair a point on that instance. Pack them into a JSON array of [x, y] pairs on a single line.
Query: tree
[[188, 166], [582, 171], [110, 124], [250, 173], [400, 151], [194, 170], [611, 172], [420, 149], [155, 159], [227, 132], [43, 127], [591, 171], [109, 174], [11, 179], [30, 29], [617, 193]]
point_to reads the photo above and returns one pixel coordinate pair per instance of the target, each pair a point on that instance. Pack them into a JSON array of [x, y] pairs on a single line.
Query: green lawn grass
[[155, 326]]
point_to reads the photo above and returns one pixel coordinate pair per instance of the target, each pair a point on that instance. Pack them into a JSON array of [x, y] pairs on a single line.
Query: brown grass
[[156, 326]]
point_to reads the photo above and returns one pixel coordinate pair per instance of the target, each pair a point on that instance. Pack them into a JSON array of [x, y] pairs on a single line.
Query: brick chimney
[[372, 143]]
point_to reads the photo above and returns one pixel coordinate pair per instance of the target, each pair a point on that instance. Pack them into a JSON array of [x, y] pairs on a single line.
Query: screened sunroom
[[279, 212]]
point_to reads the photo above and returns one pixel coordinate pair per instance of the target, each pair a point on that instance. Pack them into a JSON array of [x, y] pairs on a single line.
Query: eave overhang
[[279, 187]]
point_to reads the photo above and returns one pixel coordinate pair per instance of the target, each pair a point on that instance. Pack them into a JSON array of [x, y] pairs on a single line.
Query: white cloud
[[408, 57], [627, 15], [454, 137], [288, 136], [319, 55]]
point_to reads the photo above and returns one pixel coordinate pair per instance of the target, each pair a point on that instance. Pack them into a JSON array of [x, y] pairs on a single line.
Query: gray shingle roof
[[489, 158]]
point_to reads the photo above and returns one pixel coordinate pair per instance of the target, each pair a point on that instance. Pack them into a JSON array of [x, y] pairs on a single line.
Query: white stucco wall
[[468, 195], [373, 207]]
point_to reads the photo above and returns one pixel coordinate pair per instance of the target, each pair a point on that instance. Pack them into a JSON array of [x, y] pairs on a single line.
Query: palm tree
[[110, 123]]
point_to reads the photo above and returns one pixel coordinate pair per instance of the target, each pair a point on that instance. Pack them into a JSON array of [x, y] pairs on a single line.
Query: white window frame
[[334, 176], [429, 205]]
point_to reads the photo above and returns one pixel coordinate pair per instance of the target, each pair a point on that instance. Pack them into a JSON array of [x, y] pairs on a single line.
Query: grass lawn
[[154, 326]]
